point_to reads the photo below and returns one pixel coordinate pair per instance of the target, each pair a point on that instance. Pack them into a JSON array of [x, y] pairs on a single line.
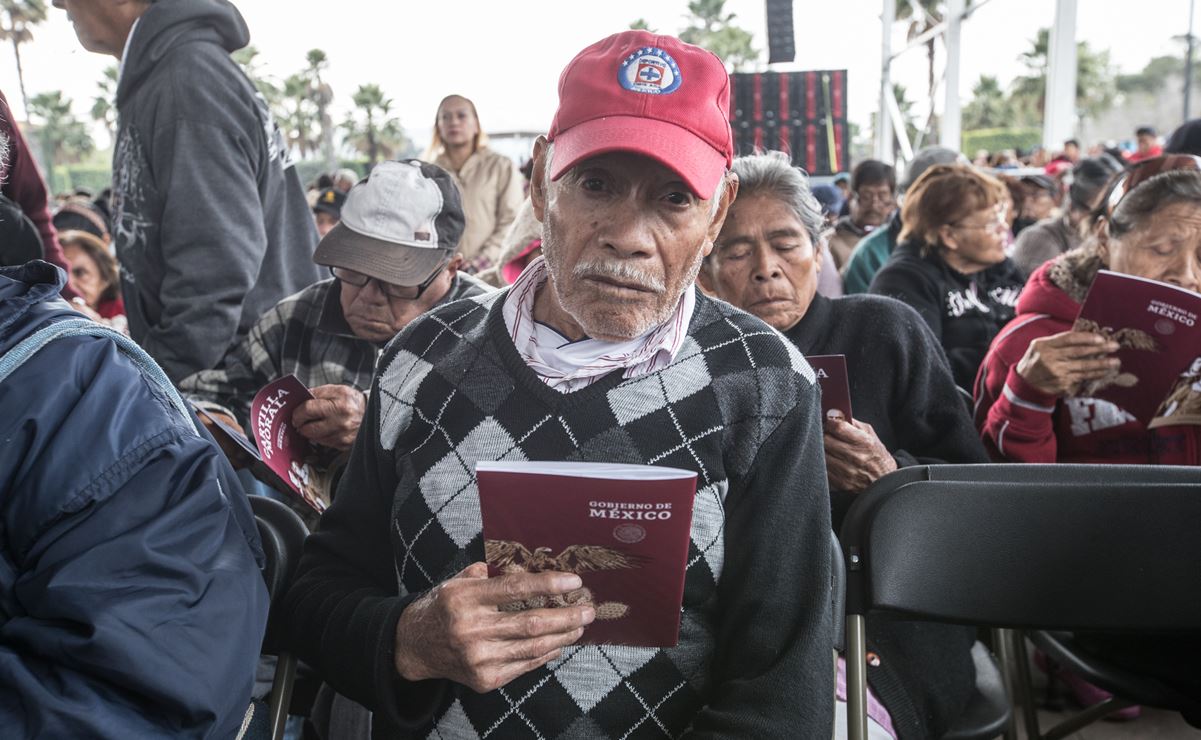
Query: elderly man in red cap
[[602, 351]]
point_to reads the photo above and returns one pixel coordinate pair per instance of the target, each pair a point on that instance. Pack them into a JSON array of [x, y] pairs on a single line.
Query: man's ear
[[704, 277], [538, 179], [728, 194], [455, 264]]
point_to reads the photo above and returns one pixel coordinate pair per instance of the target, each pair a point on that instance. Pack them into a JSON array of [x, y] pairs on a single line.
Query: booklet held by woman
[[624, 529], [1158, 328]]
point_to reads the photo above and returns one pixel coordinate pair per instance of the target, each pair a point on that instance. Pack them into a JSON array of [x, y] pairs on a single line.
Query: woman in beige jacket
[[489, 182]]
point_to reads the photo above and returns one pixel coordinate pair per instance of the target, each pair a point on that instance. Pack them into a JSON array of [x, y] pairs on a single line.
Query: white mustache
[[620, 271]]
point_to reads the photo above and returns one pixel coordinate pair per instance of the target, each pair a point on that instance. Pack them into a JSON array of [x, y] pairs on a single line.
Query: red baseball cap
[[652, 95]]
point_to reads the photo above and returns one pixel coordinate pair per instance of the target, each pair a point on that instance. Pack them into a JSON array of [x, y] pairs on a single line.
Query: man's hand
[[457, 632], [855, 456], [1061, 363], [238, 457], [332, 417]]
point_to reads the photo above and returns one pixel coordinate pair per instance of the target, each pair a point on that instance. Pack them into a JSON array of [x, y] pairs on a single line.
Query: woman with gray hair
[[906, 410]]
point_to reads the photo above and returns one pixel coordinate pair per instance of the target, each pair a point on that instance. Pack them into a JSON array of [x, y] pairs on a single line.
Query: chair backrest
[[1032, 546], [282, 532], [838, 591]]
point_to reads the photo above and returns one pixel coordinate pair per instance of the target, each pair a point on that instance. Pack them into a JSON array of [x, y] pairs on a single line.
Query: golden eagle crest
[[508, 556]]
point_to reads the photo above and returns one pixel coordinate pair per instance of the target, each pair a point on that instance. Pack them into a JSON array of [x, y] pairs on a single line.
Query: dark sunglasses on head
[[1139, 173], [405, 292]]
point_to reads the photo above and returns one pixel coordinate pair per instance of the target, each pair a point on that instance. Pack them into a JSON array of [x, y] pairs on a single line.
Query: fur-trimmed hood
[[1060, 285]]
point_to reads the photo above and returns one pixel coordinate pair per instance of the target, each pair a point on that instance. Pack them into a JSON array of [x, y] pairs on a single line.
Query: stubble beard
[[610, 320]]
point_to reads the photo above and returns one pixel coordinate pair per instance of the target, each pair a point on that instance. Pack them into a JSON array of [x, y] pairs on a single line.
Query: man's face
[[623, 238], [325, 222], [101, 25], [874, 204], [1072, 152], [1038, 204], [1146, 142], [377, 317], [456, 123], [764, 262]]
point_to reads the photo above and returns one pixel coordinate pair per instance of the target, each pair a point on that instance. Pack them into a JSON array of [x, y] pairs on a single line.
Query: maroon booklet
[[1157, 328], [831, 371], [624, 529], [283, 449]]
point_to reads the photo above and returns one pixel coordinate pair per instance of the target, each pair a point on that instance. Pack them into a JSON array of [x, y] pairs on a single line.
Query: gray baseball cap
[[398, 225]]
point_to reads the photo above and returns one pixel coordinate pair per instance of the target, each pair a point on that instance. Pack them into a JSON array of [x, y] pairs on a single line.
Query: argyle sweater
[[738, 405]]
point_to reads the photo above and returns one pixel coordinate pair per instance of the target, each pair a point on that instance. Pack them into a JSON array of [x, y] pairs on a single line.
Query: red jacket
[[1021, 424], [22, 184]]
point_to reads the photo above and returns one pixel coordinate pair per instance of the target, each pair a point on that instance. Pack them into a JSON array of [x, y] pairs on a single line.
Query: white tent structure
[[1059, 121]]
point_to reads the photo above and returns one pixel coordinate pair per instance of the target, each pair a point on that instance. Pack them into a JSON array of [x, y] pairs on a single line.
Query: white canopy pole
[[952, 119], [1059, 119], [883, 113]]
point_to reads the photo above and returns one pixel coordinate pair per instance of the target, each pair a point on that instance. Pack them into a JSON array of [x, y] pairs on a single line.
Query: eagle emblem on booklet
[[624, 529]]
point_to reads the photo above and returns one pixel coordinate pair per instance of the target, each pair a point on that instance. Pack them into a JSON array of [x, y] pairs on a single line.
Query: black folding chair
[[282, 533], [1046, 547]]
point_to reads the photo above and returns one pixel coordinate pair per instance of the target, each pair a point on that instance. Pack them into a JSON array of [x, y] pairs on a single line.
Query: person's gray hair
[[773, 174], [1150, 197]]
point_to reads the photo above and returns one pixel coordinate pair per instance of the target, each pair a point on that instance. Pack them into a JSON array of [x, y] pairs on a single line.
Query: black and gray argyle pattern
[[453, 391]]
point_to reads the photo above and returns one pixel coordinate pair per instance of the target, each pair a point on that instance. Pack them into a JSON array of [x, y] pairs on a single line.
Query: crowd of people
[[645, 296]]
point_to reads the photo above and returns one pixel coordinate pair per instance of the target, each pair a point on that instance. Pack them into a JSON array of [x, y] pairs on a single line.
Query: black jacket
[[901, 384], [210, 222], [965, 312]]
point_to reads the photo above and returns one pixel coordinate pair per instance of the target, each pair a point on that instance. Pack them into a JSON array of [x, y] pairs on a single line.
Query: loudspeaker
[[781, 45], [802, 114]]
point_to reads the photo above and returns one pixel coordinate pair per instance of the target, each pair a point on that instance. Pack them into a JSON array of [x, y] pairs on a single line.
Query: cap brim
[[697, 163], [392, 262]]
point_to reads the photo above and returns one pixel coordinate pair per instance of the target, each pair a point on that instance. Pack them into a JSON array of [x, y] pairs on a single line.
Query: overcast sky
[[507, 55]]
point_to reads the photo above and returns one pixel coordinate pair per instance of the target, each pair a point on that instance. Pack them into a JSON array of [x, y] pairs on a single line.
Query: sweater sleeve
[[930, 414], [508, 200], [250, 365], [213, 241], [1015, 420], [343, 606], [869, 256], [773, 673], [23, 185]]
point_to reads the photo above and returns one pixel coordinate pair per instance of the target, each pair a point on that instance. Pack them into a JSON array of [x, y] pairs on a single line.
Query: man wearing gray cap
[[392, 257], [873, 250]]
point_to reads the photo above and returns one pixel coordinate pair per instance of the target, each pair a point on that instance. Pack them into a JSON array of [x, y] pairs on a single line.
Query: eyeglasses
[[1137, 175], [999, 222], [404, 292]]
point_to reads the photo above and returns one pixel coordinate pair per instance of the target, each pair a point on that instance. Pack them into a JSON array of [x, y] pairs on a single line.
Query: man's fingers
[[475, 570], [536, 623], [1080, 338], [311, 410], [521, 586], [844, 451], [845, 431]]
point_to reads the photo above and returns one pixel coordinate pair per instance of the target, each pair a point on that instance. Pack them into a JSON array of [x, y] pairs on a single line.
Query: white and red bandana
[[567, 366]]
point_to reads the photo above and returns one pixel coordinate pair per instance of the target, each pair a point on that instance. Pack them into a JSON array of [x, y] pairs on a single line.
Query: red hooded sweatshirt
[[1019, 423]]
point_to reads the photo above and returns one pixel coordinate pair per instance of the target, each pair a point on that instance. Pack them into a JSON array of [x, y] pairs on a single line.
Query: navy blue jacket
[[131, 600]]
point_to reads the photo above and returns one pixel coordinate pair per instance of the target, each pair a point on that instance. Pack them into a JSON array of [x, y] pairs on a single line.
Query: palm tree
[[989, 107], [322, 95], [922, 15], [64, 137], [17, 17], [713, 28], [104, 105], [298, 115], [1095, 80], [376, 134], [247, 57]]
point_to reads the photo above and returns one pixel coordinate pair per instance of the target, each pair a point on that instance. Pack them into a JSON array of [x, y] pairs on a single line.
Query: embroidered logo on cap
[[649, 70]]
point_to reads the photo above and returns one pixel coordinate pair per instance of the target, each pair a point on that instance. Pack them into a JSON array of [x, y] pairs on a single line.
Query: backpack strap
[[15, 357]]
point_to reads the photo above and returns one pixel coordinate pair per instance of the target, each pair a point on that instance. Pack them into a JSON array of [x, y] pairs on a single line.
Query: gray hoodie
[[210, 221]]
